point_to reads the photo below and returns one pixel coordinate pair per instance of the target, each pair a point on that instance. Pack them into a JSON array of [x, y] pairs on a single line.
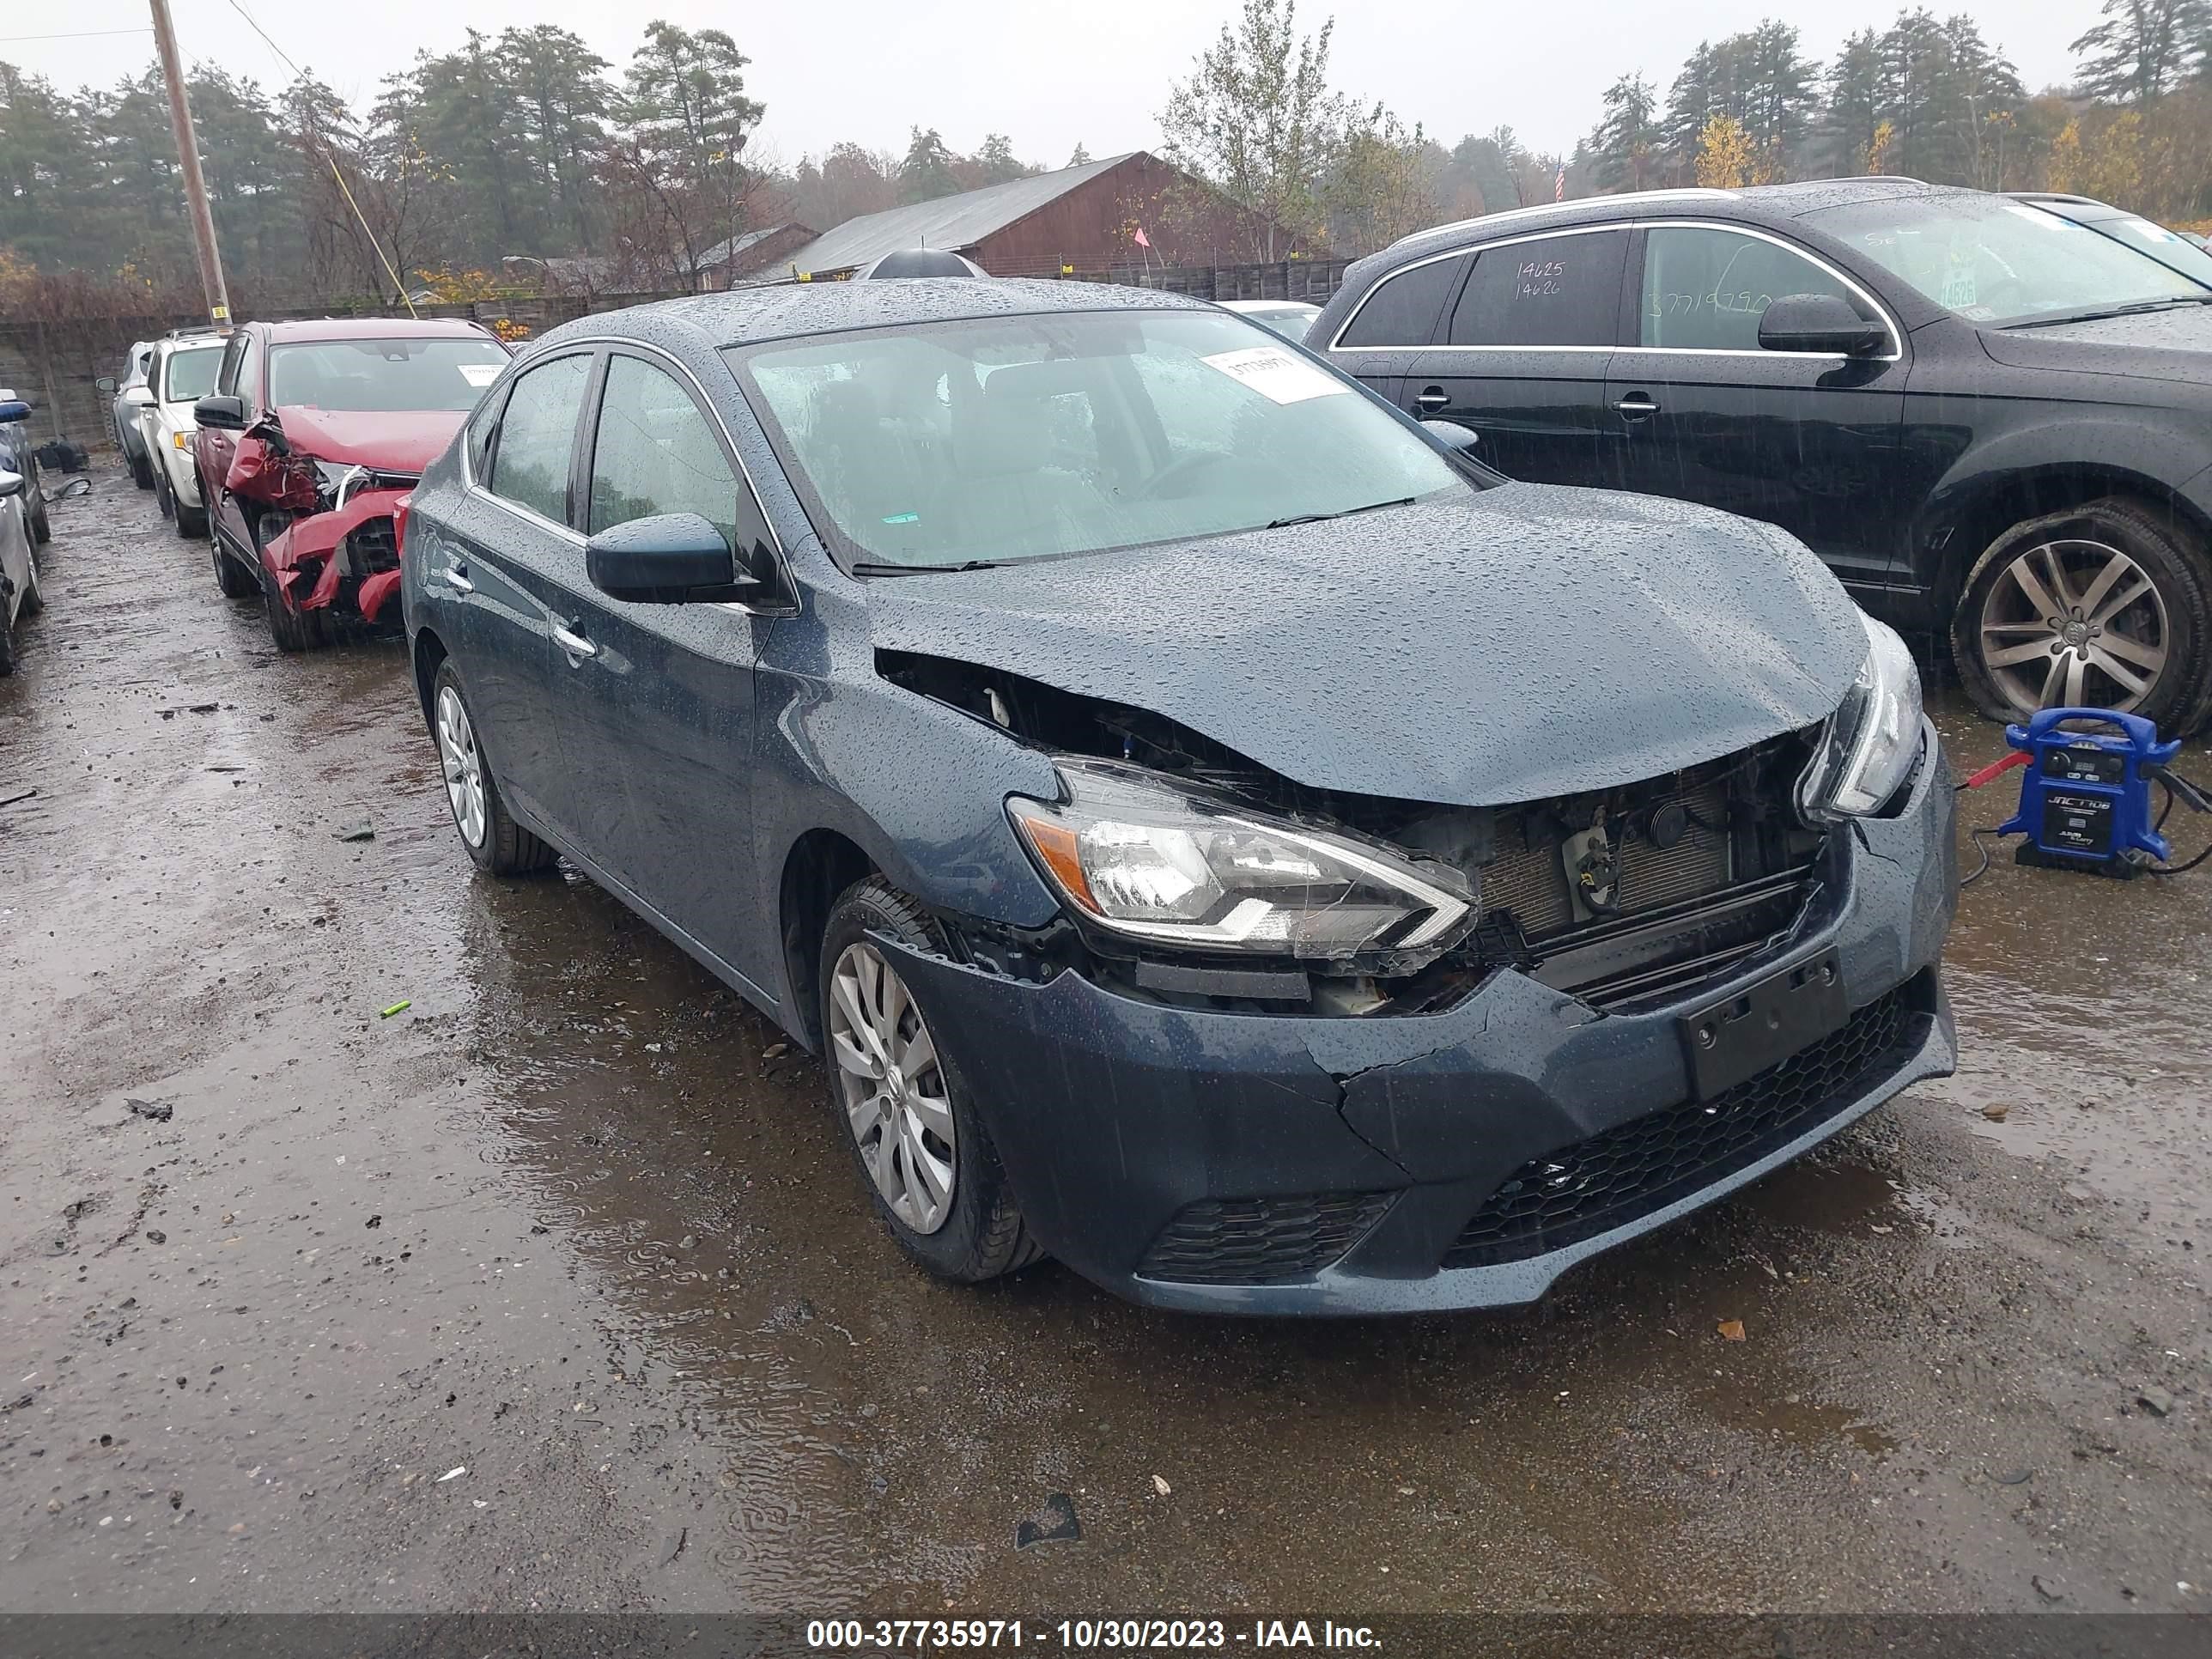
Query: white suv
[[181, 373]]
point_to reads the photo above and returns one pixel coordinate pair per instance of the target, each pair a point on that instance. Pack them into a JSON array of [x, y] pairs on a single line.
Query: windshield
[[1020, 437], [188, 374], [1292, 322], [2002, 262], [2169, 247], [384, 375]]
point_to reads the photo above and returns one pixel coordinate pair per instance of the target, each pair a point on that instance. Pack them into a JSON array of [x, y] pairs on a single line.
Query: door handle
[[574, 644], [1636, 405], [1432, 399], [457, 578]]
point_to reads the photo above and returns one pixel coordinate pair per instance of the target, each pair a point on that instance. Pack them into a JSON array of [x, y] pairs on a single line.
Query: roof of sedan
[[746, 316], [375, 328]]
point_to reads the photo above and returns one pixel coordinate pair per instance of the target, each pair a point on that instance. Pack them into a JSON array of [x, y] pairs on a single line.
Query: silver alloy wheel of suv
[[2074, 623]]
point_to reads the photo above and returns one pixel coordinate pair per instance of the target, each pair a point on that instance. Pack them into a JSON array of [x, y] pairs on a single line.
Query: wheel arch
[[428, 652], [1970, 523], [819, 866]]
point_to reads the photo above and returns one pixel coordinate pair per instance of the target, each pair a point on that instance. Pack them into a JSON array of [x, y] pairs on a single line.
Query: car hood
[[1473, 649], [2157, 345], [405, 441]]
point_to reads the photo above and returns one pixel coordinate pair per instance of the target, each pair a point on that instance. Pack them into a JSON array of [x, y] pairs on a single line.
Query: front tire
[[34, 597], [928, 1163], [2100, 606], [235, 581], [141, 469], [498, 845], [293, 628]]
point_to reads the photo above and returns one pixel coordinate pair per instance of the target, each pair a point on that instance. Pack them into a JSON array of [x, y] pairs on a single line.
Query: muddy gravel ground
[[557, 1289]]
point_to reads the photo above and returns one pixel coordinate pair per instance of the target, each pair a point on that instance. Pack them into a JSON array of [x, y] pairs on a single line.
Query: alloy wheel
[[893, 1088], [2074, 623], [463, 765]]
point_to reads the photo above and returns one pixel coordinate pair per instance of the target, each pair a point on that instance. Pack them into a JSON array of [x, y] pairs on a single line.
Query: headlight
[[1870, 744], [180, 439], [1141, 855]]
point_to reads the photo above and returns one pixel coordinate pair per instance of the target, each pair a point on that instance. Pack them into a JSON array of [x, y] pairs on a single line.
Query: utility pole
[[188, 156]]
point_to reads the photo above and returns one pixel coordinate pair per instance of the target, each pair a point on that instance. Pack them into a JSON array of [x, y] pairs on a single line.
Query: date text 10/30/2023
[[1107, 1635]]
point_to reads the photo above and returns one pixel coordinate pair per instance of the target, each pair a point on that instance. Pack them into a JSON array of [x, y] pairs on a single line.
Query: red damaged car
[[314, 432]]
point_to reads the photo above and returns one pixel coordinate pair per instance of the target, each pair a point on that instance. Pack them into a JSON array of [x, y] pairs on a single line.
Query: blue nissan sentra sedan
[[1214, 831]]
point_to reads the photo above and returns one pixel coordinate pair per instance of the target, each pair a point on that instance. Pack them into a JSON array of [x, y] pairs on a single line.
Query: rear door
[[1804, 440], [493, 575], [1390, 328], [1523, 355]]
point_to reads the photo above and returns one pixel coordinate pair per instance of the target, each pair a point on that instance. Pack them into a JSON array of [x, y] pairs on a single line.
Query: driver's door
[[1810, 441]]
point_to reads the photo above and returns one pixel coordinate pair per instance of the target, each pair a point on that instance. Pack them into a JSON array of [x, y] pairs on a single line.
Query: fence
[[53, 364]]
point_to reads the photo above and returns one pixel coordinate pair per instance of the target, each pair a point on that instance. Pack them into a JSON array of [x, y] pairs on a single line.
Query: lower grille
[[1653, 1160], [1260, 1241], [372, 547]]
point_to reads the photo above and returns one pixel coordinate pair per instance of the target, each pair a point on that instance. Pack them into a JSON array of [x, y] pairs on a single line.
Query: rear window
[[384, 375], [190, 375], [1402, 310]]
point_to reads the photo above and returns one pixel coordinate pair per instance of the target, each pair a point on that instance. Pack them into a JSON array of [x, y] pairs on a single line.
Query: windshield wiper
[[2134, 310], [1320, 517], [865, 569]]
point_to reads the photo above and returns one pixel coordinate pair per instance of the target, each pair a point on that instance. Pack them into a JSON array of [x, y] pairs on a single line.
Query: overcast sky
[[1048, 75]]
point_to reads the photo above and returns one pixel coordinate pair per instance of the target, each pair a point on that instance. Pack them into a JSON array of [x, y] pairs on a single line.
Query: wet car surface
[[710, 1383]]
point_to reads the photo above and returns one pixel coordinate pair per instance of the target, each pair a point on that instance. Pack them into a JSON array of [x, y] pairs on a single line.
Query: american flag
[[1559, 184]]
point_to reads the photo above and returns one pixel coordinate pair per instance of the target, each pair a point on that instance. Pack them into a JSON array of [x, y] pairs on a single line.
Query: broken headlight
[[1869, 745], [1139, 854]]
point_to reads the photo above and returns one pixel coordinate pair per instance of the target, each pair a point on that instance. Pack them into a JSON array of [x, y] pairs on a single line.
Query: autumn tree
[[2142, 49]]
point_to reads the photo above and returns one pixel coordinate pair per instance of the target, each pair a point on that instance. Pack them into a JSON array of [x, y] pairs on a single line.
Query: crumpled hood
[[2157, 345], [1477, 649], [403, 441]]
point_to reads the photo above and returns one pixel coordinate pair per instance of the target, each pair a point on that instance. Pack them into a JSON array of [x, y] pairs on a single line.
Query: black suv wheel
[[2100, 606]]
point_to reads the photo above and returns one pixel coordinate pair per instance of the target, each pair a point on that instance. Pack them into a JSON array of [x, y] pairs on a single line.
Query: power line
[[74, 35]]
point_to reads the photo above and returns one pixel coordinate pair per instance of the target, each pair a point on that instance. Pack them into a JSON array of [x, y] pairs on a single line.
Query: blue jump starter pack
[[2085, 795]]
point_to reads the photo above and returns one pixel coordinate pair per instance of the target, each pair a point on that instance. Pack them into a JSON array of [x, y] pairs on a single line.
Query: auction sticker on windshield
[[479, 375], [1275, 374]]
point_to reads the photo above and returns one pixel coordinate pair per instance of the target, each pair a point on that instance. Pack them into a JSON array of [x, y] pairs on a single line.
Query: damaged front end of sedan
[[326, 533], [1197, 877]]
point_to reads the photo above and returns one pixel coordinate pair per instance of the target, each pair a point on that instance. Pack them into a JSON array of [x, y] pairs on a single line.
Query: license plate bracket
[[1734, 1039]]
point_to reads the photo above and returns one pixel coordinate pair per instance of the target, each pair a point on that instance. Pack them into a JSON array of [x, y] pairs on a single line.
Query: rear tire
[[874, 1029], [2104, 605], [496, 842]]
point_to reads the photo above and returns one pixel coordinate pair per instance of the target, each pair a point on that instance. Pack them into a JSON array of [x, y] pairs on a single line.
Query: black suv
[[1992, 423]]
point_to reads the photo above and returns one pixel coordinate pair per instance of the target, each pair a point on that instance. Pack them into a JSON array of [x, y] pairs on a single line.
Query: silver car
[[19, 563]]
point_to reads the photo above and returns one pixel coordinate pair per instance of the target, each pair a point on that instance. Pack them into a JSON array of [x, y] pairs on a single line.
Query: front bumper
[[1246, 1164], [184, 478]]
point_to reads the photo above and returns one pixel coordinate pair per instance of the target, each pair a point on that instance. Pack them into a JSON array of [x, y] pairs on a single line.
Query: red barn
[[1088, 218]]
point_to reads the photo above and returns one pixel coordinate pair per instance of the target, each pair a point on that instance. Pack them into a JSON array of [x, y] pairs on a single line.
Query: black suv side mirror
[[220, 412], [1819, 322], [675, 558]]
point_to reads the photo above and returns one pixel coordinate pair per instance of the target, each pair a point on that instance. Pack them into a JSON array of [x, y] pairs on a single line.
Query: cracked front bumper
[[1248, 1163]]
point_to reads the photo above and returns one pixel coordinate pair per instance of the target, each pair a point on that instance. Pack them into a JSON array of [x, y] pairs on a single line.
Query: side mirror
[[11, 484], [13, 410], [220, 412], [139, 397], [1825, 323], [105, 383], [1453, 436], [671, 558]]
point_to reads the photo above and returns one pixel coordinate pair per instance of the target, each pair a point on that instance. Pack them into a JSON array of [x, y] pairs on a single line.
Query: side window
[[656, 452], [227, 380], [538, 436], [1705, 290], [249, 373], [1401, 310], [482, 425], [1554, 291]]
